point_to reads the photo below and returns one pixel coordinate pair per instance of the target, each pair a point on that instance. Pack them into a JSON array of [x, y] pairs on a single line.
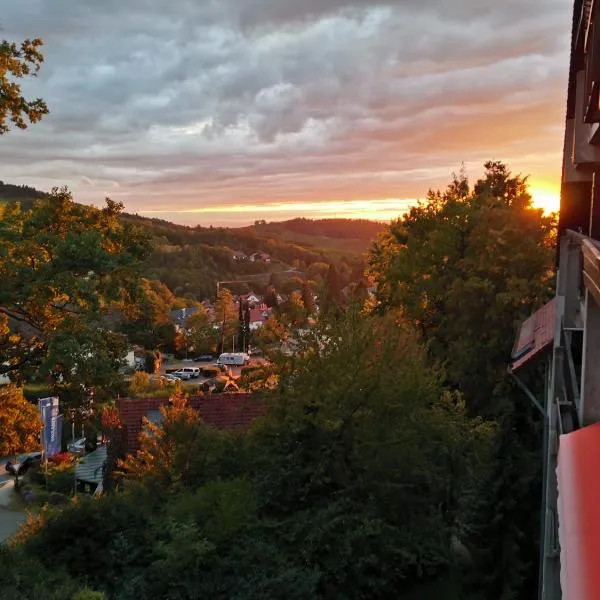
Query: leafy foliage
[[66, 269], [20, 423], [467, 267], [16, 62], [346, 490]]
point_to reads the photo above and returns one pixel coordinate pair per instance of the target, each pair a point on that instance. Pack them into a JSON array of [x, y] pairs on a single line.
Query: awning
[[535, 336], [579, 513]]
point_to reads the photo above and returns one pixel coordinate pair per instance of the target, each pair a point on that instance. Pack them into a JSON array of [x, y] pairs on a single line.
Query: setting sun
[[546, 197]]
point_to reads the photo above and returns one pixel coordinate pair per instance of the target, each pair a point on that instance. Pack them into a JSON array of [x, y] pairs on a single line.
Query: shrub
[[140, 382], [60, 478], [62, 458]]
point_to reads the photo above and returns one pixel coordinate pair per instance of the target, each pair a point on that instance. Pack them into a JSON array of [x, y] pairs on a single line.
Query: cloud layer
[[194, 104]]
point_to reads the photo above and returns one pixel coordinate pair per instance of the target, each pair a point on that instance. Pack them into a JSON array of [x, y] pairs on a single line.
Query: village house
[[252, 299], [258, 316]]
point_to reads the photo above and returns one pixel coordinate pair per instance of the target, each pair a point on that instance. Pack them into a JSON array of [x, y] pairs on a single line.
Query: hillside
[[190, 260], [24, 194], [346, 236]]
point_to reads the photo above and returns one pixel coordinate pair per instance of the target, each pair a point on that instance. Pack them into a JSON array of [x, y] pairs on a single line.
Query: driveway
[[9, 519]]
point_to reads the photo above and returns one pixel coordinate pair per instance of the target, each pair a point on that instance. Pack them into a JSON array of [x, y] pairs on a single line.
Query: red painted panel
[[579, 513], [535, 336]]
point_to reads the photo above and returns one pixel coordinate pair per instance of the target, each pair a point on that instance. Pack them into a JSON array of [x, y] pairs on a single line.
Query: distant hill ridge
[[190, 260], [301, 230]]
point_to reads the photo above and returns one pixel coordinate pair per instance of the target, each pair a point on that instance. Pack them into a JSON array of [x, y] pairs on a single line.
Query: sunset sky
[[227, 111]]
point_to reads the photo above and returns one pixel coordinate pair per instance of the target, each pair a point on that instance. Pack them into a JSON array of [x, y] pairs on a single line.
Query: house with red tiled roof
[[258, 316], [234, 412]]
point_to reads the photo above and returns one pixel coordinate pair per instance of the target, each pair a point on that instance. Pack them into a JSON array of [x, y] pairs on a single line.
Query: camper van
[[233, 358]]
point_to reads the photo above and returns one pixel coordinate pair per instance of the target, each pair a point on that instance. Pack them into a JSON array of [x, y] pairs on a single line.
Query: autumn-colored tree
[[140, 382], [16, 62], [172, 454], [270, 336], [20, 423], [65, 270]]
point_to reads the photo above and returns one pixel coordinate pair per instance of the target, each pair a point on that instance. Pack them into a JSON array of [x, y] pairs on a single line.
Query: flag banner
[[52, 426]]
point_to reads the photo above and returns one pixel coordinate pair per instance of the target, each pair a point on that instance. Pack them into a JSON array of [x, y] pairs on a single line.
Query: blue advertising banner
[[52, 426]]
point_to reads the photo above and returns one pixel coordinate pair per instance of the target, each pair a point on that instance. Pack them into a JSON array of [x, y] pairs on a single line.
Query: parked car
[[204, 358], [169, 378], [193, 371], [23, 463], [183, 375]]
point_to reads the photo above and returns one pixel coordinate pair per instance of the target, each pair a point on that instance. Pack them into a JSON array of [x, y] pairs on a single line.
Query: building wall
[[225, 411]]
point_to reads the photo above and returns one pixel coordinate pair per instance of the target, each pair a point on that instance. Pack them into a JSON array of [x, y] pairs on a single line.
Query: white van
[[233, 358], [193, 371]]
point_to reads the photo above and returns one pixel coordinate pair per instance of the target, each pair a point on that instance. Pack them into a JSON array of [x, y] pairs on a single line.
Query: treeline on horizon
[[190, 260]]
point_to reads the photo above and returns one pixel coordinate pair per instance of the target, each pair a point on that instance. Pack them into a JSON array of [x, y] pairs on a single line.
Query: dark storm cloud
[[218, 100]]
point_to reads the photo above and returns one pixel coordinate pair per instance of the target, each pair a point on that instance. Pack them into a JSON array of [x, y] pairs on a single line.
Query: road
[[9, 519]]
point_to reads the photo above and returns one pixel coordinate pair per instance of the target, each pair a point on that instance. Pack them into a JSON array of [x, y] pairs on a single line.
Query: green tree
[[502, 514], [308, 298], [20, 423], [363, 463], [65, 270], [294, 284], [332, 291], [16, 62], [293, 310], [466, 267], [318, 270], [226, 317], [148, 321], [201, 332], [270, 298]]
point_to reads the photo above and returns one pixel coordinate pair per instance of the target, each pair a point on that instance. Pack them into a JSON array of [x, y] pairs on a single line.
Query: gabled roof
[[258, 315], [535, 336]]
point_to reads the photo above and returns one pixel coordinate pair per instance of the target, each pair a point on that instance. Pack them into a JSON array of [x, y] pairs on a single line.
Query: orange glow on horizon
[[546, 197]]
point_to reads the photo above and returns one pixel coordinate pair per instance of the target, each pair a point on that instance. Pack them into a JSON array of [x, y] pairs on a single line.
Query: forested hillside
[[341, 235], [190, 260]]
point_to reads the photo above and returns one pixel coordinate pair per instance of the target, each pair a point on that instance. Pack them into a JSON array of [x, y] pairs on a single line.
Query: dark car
[[23, 463], [204, 358]]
